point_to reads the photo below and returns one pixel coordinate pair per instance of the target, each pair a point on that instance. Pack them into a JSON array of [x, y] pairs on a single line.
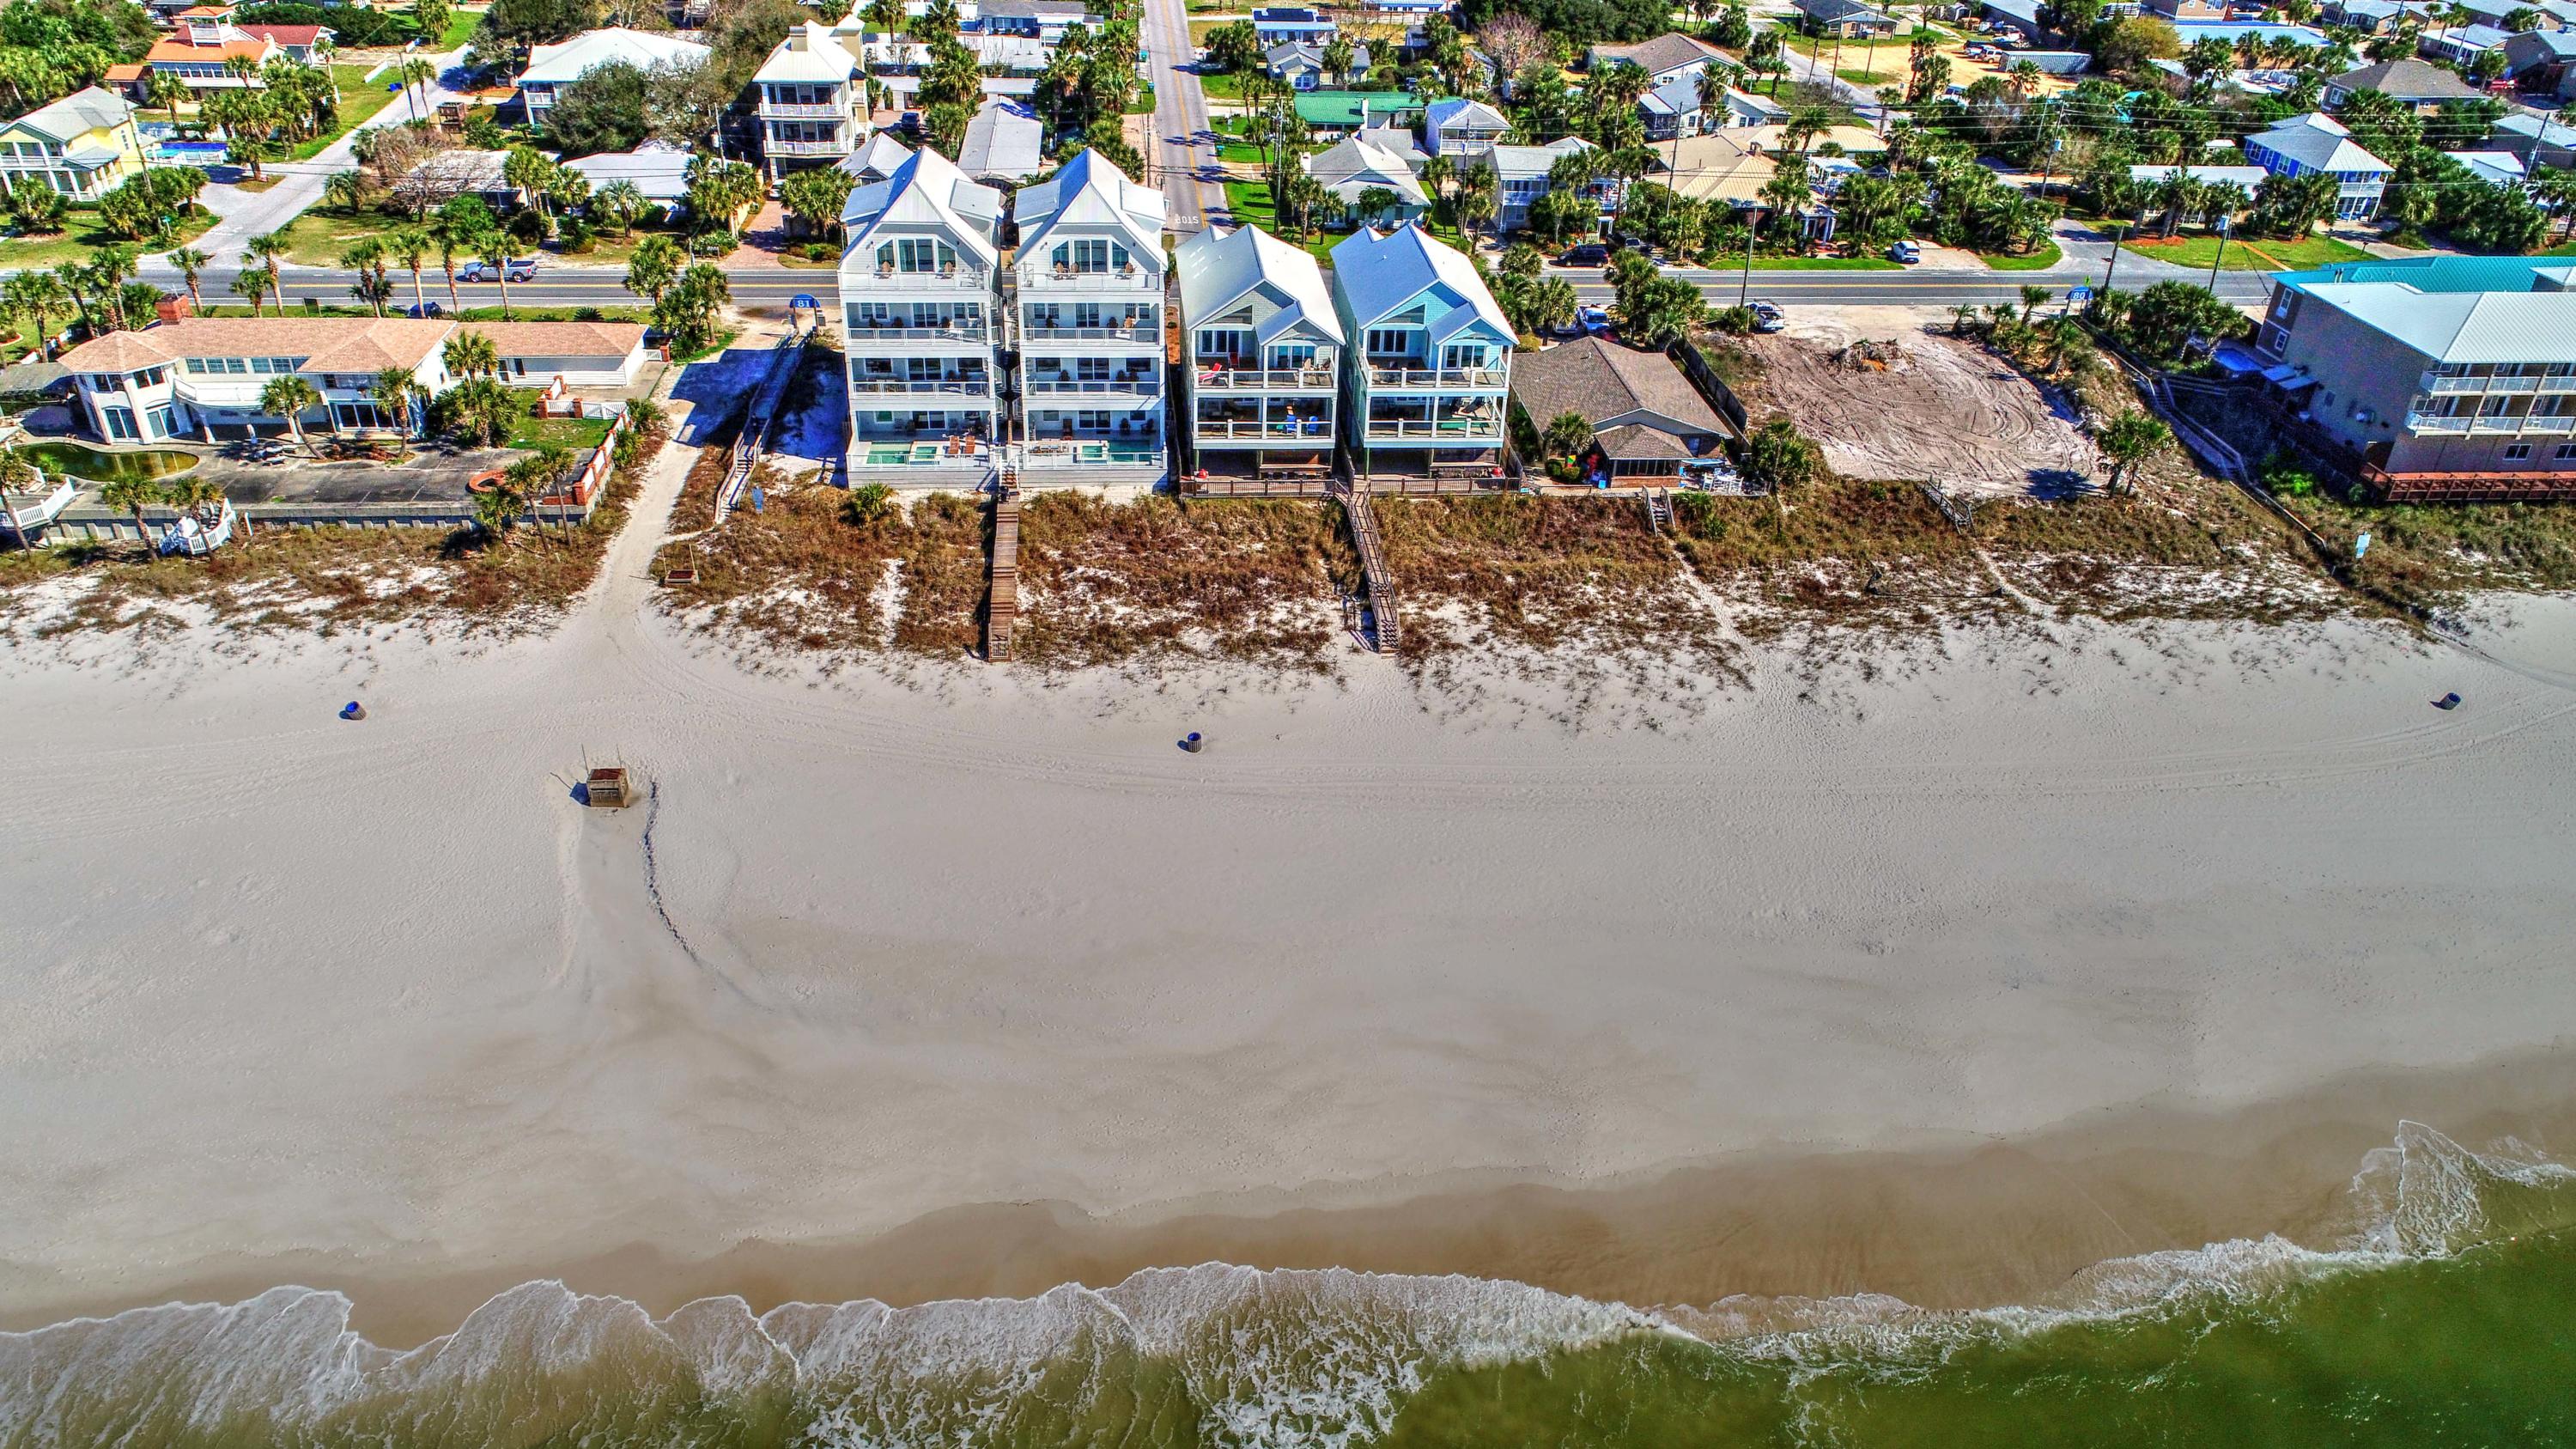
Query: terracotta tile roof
[[331, 344], [175, 52], [127, 73], [561, 339], [285, 34]]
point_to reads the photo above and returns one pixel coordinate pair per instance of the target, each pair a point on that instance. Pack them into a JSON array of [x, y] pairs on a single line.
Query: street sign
[[2079, 294], [806, 301]]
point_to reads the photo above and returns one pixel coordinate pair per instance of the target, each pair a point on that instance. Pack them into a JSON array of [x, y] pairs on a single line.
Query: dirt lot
[[1944, 410]]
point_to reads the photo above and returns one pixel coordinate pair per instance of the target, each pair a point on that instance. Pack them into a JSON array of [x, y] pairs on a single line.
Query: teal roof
[[2441, 274], [1352, 108]]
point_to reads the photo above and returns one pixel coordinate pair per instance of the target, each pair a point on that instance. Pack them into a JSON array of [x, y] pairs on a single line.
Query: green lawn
[[317, 238], [552, 314], [577, 435], [2039, 261], [2264, 254], [1222, 87], [360, 98], [1241, 152], [2563, 249], [1142, 104], [1822, 264], [82, 236], [460, 29]]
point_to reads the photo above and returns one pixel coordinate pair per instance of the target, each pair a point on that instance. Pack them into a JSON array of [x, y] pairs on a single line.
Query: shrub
[[575, 237], [530, 225], [2283, 477], [821, 251], [1733, 321]]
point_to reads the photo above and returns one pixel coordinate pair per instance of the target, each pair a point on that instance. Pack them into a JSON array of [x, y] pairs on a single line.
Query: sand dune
[[289, 990]]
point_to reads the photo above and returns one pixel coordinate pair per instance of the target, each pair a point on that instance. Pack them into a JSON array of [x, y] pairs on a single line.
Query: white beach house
[[1264, 354], [919, 306], [1090, 326], [552, 67], [813, 103], [1431, 360]]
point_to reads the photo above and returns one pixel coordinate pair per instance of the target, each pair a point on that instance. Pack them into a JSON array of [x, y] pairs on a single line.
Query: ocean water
[[2449, 1318]]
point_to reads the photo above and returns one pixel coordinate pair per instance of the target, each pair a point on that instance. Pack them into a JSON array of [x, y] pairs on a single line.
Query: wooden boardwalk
[[1381, 579], [1003, 583]]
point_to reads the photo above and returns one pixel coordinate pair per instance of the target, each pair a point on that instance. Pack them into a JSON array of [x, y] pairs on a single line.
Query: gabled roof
[[298, 36], [2473, 37], [1830, 11], [1380, 272], [926, 191], [1090, 193], [1218, 269], [1663, 53], [1356, 164], [1677, 96], [1003, 142], [1454, 111], [1066, 10], [878, 156], [2407, 80], [82, 110], [328, 344], [2540, 128], [809, 55], [2320, 143], [1525, 162], [2464, 327], [662, 175], [570, 61], [1396, 141], [561, 339], [1599, 380], [2550, 45], [2495, 168]]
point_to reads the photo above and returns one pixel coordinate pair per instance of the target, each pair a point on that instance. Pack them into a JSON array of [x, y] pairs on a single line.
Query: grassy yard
[[317, 238], [2041, 260], [1222, 87], [82, 236], [578, 435], [360, 99], [1240, 152], [2265, 254], [460, 29], [1824, 264]]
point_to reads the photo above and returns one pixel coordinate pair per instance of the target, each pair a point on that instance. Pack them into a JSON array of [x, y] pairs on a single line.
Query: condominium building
[[813, 101], [2439, 377], [1264, 349], [918, 299], [1090, 323], [1431, 357]]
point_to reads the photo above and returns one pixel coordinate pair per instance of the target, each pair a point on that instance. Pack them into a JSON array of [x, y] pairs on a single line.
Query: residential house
[[813, 101], [1429, 368], [1458, 127], [1090, 305], [2441, 377], [657, 168], [1521, 177], [2374, 17], [201, 378], [2498, 169], [2459, 44], [876, 158], [1264, 352], [1302, 65], [2498, 13], [2417, 83], [552, 67], [2022, 17], [2187, 9], [82, 146], [1849, 19], [2543, 61], [1399, 10], [1672, 110], [1283, 24], [1666, 56], [1333, 114], [1018, 89], [2067, 63], [2247, 177], [918, 302], [1396, 141], [2537, 140], [1354, 166], [202, 49], [1043, 20], [1003, 143], [2317, 143], [1649, 425], [443, 176]]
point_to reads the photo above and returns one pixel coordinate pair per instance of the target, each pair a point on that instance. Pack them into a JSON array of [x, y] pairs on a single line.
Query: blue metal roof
[[2434, 274]]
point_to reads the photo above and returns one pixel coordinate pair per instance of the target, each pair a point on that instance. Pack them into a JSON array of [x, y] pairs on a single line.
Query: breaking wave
[[1213, 1355]]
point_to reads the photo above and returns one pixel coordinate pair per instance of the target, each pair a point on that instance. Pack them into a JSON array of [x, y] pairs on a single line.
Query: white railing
[[804, 111], [1311, 429], [1469, 377], [1462, 430], [951, 386], [954, 332], [864, 277], [806, 148], [1135, 386], [1122, 452], [2437, 423], [1254, 379], [1144, 332], [2440, 385], [1129, 279]]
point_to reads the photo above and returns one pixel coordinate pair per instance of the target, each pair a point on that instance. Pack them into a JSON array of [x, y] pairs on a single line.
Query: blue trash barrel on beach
[[1192, 743], [353, 710]]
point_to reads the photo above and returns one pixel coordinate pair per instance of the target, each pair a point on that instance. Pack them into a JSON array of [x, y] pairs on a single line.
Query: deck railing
[[1254, 379]]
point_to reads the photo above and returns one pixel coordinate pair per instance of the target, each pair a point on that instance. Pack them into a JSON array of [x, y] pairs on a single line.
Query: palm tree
[[191, 263], [619, 203], [2032, 295], [37, 296], [498, 507], [451, 237], [470, 354], [1437, 173], [252, 284], [2130, 439], [418, 71], [1963, 317], [484, 409], [409, 245], [652, 266], [288, 396], [133, 495], [535, 476], [199, 498], [393, 390], [345, 192], [529, 171], [494, 248], [264, 251], [1567, 435], [366, 258]]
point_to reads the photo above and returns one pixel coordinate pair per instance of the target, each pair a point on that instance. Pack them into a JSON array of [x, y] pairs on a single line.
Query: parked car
[[425, 309], [1593, 321], [1906, 252], [1589, 254], [518, 269], [1766, 316]]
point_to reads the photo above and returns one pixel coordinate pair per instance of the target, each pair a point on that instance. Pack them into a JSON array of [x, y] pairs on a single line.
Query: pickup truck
[[519, 269]]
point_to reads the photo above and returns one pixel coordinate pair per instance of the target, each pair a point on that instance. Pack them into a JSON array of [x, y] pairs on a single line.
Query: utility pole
[[2224, 225], [1745, 291], [2119, 237]]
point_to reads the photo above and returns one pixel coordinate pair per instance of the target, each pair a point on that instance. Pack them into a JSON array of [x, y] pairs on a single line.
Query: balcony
[[2494, 425], [1489, 379], [1312, 430], [1126, 279], [1462, 432], [2443, 385], [1276, 379], [975, 387], [966, 332], [889, 281], [1143, 334], [805, 148], [1133, 386], [801, 111]]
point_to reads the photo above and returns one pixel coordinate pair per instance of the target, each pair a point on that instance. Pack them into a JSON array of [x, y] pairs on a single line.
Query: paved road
[[1184, 146]]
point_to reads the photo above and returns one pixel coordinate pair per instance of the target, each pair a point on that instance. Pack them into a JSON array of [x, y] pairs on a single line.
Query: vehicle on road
[[1589, 254], [1766, 316], [1906, 252], [518, 269]]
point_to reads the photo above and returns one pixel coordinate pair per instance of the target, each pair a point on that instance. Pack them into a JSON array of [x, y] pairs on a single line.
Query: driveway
[[434, 475]]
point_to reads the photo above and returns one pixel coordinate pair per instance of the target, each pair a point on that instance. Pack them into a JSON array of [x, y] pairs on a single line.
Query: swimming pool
[[96, 466]]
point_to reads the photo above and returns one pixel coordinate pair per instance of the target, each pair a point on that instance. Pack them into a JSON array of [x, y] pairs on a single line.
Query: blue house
[[2317, 144], [1430, 362], [1282, 25]]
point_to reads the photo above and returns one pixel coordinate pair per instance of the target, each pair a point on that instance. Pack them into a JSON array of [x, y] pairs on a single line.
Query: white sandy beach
[[282, 987]]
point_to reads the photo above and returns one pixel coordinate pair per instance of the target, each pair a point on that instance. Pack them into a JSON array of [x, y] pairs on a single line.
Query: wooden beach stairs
[[1381, 579], [1003, 582], [1659, 510]]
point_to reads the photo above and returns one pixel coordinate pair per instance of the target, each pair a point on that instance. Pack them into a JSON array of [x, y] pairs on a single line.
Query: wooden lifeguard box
[[609, 789]]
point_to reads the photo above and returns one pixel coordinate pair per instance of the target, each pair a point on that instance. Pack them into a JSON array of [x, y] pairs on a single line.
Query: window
[[1389, 341], [1293, 355], [2517, 452], [2565, 452], [1463, 356], [1091, 369], [161, 422], [1223, 342], [120, 423], [196, 364]]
